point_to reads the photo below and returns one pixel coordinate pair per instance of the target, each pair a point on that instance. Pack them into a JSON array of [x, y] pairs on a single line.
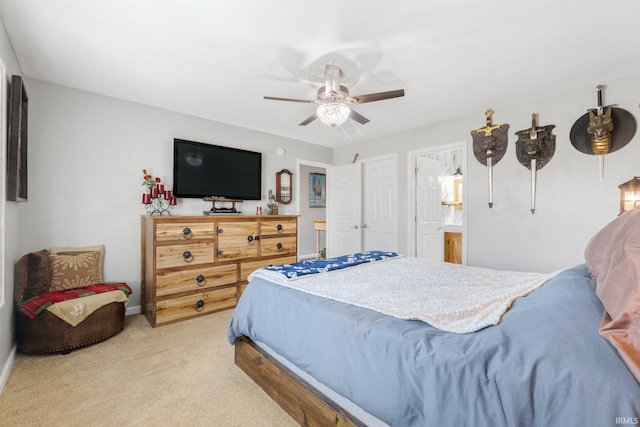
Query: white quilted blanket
[[451, 297]]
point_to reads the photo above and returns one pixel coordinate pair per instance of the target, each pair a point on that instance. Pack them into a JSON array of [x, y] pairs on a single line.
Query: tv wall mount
[[222, 210]]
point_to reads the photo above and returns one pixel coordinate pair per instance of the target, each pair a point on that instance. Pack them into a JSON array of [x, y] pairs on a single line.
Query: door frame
[[411, 196], [302, 185]]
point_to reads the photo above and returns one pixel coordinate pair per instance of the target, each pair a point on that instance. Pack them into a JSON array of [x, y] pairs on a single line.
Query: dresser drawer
[[278, 246], [194, 280], [246, 268], [184, 231], [283, 226], [174, 309], [237, 240], [184, 255]]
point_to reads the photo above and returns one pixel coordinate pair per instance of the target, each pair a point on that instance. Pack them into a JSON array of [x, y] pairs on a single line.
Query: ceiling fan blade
[[309, 119], [354, 115], [361, 99], [306, 101]]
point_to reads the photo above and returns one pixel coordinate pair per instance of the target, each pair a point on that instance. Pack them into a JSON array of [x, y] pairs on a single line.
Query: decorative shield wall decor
[[602, 130], [489, 146], [534, 148]]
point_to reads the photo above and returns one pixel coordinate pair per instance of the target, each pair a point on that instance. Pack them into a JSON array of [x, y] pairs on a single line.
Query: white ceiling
[[217, 59]]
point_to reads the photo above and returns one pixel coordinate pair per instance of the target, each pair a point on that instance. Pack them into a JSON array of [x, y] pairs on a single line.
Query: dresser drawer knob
[[279, 228], [219, 230], [199, 305], [251, 240], [201, 280], [186, 255], [186, 233], [219, 252], [279, 246]]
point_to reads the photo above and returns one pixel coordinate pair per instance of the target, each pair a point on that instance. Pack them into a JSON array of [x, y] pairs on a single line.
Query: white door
[[344, 209], [379, 198], [429, 229]]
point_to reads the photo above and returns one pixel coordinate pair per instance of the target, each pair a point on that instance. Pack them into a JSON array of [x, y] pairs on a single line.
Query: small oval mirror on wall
[[284, 186]]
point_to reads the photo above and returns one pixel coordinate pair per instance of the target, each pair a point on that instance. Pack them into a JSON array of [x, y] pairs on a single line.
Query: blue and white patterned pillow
[[319, 266]]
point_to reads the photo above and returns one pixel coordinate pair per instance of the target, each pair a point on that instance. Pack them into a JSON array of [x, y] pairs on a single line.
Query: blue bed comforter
[[543, 365]]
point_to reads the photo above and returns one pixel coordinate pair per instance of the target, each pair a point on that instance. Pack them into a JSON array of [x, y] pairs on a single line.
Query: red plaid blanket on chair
[[37, 305]]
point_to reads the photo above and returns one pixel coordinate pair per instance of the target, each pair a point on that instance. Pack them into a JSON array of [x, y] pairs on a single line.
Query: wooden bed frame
[[301, 400]]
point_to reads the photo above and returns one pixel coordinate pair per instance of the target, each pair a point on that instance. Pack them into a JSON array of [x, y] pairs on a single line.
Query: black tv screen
[[204, 170]]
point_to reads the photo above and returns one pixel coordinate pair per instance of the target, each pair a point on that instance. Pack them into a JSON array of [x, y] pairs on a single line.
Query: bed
[[556, 355]]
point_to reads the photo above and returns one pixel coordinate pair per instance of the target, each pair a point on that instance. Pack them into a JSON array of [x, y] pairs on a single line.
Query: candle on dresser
[[161, 188], [167, 194], [154, 192]]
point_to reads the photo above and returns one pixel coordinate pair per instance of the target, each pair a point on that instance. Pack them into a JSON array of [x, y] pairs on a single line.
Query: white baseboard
[[136, 309], [6, 369], [307, 257]]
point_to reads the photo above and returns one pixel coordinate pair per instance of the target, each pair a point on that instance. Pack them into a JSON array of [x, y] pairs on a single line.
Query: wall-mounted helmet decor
[[534, 148], [602, 130], [489, 146]]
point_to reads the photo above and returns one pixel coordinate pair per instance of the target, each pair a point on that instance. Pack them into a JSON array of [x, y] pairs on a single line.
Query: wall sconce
[[629, 194]]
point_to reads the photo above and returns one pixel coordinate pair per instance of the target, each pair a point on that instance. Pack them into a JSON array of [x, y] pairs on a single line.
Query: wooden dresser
[[196, 265]]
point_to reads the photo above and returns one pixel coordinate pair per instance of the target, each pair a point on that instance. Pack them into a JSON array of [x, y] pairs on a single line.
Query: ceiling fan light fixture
[[333, 113]]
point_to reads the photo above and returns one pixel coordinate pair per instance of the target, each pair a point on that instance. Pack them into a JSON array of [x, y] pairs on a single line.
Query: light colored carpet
[[176, 375]]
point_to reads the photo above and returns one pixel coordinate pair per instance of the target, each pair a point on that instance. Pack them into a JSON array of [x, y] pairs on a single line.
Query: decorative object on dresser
[[61, 303], [489, 146], [534, 149], [17, 142], [224, 210], [157, 200], [602, 130], [195, 265], [272, 205]]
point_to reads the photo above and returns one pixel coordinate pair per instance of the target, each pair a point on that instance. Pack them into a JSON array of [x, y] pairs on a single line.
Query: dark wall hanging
[[489, 146], [602, 130], [17, 142], [534, 148]]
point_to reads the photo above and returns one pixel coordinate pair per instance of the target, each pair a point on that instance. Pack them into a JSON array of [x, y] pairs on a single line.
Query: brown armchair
[[47, 333]]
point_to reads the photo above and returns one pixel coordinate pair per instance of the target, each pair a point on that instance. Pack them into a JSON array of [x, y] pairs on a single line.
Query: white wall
[[572, 203], [86, 155]]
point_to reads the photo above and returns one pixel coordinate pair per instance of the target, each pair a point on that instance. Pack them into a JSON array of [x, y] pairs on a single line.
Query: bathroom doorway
[[437, 203]]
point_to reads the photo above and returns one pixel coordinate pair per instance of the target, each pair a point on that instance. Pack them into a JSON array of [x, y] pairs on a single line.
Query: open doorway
[[310, 207], [437, 203]]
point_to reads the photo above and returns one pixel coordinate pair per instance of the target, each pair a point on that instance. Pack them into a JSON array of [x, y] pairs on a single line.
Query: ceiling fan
[[334, 102]]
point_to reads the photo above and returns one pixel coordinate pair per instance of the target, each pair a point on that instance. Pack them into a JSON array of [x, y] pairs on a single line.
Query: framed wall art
[[17, 142], [317, 190]]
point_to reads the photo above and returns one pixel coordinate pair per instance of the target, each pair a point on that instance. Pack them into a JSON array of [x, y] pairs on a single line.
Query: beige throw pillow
[[75, 267]]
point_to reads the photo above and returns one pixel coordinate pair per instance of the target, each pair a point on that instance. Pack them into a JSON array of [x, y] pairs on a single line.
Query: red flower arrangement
[[149, 180]]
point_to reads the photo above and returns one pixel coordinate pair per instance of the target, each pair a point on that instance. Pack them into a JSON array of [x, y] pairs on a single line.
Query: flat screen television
[[205, 170]]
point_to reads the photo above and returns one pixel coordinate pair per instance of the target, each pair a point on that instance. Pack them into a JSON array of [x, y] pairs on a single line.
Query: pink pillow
[[618, 287], [594, 252]]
